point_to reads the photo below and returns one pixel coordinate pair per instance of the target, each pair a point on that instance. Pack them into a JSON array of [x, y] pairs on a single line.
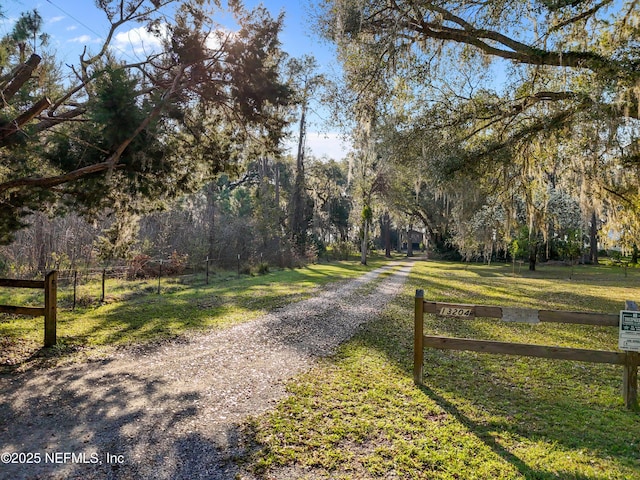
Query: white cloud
[[80, 39], [56, 19], [331, 145], [137, 40], [71, 28]]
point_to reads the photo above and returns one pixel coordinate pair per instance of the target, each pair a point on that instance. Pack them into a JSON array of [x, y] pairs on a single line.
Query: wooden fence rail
[[49, 311], [629, 360]]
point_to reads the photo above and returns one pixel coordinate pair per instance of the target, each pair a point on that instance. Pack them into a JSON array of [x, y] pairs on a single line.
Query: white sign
[[519, 315], [629, 331]]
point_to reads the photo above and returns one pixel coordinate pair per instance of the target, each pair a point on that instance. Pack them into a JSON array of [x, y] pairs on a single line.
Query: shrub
[[615, 255], [143, 266], [343, 250], [139, 267], [177, 264]]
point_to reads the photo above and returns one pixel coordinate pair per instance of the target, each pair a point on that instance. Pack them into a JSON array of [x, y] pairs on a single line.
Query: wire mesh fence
[[91, 286]]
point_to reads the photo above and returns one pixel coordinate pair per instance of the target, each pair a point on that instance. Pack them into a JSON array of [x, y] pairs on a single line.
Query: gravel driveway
[[174, 411]]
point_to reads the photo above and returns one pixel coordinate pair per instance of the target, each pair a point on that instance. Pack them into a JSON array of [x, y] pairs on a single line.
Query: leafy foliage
[[563, 117], [127, 137]]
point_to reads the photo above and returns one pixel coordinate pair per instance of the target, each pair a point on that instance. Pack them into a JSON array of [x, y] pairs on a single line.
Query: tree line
[[499, 129], [511, 126], [180, 153]]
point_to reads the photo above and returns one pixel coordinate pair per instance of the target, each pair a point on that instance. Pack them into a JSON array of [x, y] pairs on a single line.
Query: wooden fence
[[629, 360], [50, 286]]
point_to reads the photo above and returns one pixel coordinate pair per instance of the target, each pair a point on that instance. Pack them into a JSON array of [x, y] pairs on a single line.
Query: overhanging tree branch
[[109, 164], [419, 27], [133, 118], [50, 182], [17, 78], [14, 126]]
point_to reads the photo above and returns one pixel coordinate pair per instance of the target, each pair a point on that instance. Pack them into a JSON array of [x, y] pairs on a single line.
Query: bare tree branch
[[582, 16]]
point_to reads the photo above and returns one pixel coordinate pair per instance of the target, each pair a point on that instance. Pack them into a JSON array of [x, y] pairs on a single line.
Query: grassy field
[[134, 313], [359, 415]]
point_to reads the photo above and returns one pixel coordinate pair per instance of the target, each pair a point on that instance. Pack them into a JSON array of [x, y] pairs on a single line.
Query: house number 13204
[[455, 312]]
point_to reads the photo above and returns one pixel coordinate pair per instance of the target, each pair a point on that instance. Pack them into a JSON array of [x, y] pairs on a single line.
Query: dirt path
[[173, 412]]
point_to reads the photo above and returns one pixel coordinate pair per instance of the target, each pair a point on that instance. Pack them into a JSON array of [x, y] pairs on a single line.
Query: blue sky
[[76, 24]]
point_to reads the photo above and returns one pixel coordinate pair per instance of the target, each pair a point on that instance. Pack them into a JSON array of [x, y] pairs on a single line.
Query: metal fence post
[[104, 278]]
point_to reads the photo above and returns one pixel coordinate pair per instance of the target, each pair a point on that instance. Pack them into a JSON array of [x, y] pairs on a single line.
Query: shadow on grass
[[600, 275], [539, 402], [484, 433], [135, 313], [122, 408], [565, 405], [522, 418], [459, 286]]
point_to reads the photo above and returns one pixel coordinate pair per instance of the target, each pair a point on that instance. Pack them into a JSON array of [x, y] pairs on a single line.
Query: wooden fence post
[[50, 308], [630, 374], [630, 381], [418, 346]]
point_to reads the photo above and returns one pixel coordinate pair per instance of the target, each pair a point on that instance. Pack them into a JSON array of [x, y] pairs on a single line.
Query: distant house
[[416, 237]]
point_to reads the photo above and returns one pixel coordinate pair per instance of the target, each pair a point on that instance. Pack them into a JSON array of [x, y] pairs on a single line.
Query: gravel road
[[174, 411]]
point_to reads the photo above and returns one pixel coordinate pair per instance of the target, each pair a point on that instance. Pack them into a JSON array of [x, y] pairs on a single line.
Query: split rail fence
[[629, 360], [49, 311]]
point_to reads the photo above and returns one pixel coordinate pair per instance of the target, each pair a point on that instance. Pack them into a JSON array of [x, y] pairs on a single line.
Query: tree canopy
[[566, 57], [503, 102], [119, 134]]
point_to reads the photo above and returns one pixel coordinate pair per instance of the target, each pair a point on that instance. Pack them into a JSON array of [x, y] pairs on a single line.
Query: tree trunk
[[298, 229], [533, 254], [40, 243], [387, 235], [211, 214], [277, 179], [593, 239], [365, 242], [409, 243]]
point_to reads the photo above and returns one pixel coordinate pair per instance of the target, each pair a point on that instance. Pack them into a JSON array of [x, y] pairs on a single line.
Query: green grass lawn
[[134, 313], [479, 416]]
